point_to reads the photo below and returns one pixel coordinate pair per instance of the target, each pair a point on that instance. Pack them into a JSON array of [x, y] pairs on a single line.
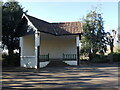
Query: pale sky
[[72, 11]]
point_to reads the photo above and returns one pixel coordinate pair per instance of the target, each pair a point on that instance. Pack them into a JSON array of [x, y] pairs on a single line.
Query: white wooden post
[[37, 45], [78, 49], [21, 46], [21, 50]]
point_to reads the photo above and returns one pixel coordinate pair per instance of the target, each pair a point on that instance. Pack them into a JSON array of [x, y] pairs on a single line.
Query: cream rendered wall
[[54, 45], [27, 44], [28, 48], [57, 45]]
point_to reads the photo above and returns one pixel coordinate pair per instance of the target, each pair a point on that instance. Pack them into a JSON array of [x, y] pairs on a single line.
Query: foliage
[[12, 60], [110, 38], [11, 16], [0, 21], [93, 34], [100, 58], [115, 56], [105, 58]]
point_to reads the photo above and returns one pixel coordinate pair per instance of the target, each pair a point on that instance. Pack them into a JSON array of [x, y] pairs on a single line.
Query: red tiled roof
[[70, 27]]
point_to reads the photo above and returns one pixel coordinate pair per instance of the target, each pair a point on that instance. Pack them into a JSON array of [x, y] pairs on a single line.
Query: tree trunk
[[11, 47], [10, 50], [111, 48]]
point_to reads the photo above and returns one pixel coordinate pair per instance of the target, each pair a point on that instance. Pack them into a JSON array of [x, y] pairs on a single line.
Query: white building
[[41, 42]]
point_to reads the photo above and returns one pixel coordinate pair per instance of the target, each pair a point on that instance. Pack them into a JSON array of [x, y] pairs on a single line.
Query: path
[[84, 76]]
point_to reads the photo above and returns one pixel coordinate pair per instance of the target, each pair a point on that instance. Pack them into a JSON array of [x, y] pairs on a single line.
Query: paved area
[[84, 76]]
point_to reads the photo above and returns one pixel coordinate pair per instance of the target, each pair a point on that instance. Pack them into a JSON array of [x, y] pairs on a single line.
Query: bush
[[99, 58], [115, 56], [112, 57], [12, 60]]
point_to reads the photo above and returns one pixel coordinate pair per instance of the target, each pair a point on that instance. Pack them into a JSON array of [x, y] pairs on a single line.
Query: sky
[[73, 11]]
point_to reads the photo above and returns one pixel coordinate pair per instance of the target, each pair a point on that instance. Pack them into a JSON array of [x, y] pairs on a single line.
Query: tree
[[11, 16], [93, 38], [110, 39]]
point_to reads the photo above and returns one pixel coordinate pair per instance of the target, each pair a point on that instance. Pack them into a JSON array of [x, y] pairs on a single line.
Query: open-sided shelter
[[41, 42]]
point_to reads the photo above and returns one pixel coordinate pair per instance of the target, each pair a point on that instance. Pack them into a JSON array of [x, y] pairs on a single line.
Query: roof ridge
[[52, 22], [66, 22], [36, 18]]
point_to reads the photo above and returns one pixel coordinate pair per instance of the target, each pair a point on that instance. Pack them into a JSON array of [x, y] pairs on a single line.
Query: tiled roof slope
[[64, 28], [41, 25]]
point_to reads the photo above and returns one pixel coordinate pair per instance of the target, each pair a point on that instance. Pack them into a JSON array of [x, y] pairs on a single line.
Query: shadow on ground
[[83, 76]]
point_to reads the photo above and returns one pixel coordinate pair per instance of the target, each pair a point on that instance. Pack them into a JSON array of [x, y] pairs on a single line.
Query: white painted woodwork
[[77, 41], [71, 62], [29, 22], [28, 62], [37, 43], [44, 64]]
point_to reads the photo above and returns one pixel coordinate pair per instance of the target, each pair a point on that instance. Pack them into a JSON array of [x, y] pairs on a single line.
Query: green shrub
[[112, 57], [93, 56], [102, 59], [99, 58], [115, 56], [12, 60]]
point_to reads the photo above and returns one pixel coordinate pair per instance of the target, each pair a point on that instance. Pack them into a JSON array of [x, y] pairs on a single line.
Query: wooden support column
[[19, 55], [78, 49], [38, 59], [37, 49], [21, 49]]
